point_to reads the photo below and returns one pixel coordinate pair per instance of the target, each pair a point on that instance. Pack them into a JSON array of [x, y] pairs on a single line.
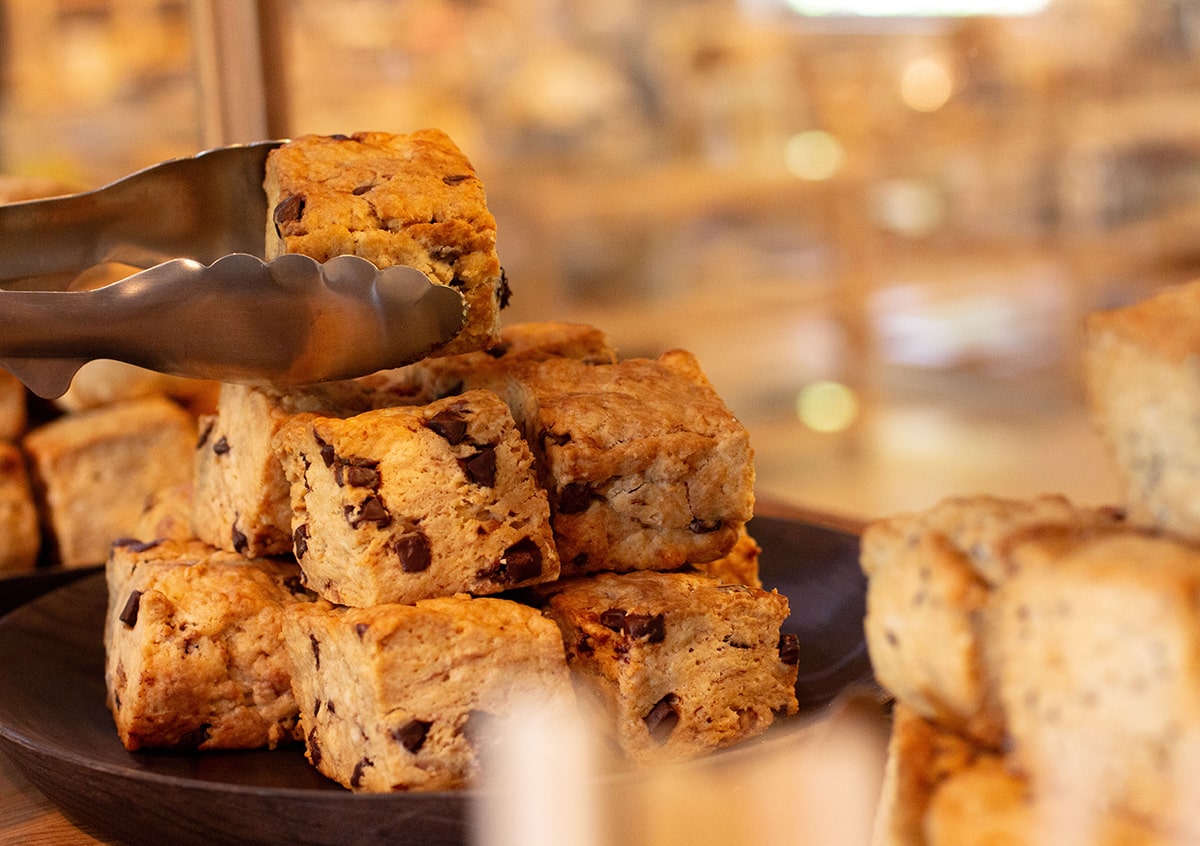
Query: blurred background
[[879, 224]]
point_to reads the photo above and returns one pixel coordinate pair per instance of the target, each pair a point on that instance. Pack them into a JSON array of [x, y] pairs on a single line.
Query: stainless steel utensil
[[207, 305]]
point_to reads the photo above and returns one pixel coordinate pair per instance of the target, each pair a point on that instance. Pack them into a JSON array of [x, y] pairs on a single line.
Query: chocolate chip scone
[[193, 645], [93, 471], [394, 200], [400, 697], [676, 664], [645, 466], [241, 497], [399, 504]]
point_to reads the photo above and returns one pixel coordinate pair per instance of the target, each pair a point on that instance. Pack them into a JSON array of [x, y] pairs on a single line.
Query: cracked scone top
[[410, 199]]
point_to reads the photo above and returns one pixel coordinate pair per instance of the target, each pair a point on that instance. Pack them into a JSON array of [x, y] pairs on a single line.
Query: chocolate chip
[[289, 210], [481, 467], [789, 649], [240, 542], [221, 446], [129, 613], [412, 734], [523, 561], [455, 178], [503, 292], [652, 627], [300, 540], [613, 618], [579, 561], [413, 550], [314, 748], [663, 718], [296, 587], [372, 510], [704, 527], [449, 424], [360, 629], [206, 432], [195, 738], [574, 498], [362, 189], [356, 776], [316, 649], [327, 453], [356, 472], [498, 351]]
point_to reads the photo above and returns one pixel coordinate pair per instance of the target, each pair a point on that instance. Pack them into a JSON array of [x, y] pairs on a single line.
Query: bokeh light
[[926, 84], [827, 406], [813, 155]]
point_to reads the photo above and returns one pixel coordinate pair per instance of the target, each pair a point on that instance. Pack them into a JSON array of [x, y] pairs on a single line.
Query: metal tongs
[[206, 305]]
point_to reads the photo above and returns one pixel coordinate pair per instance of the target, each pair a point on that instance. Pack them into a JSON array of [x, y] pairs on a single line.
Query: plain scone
[[402, 697], [92, 471], [1142, 368], [930, 576], [410, 199], [1071, 636]]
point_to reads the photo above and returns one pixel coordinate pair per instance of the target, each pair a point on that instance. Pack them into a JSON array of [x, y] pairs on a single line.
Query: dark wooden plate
[[55, 727]]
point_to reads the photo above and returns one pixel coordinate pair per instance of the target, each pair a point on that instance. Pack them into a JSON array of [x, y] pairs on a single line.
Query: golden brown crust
[[193, 643]]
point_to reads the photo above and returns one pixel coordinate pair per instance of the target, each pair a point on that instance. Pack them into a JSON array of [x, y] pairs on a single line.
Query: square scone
[[194, 654], [645, 466], [406, 503], [401, 697], [92, 471], [676, 665], [241, 499], [393, 199]]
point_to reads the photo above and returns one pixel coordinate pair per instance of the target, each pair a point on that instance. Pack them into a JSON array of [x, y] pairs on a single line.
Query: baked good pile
[[1045, 657], [378, 568]]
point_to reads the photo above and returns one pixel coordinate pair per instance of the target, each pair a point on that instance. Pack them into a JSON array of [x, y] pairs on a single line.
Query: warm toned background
[[919, 211]]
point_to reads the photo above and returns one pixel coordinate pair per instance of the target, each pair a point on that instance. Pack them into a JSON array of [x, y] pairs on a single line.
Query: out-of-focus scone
[[676, 665], [942, 790], [930, 575], [193, 645], [93, 471], [401, 697], [20, 533], [1142, 368], [393, 199], [1098, 664], [645, 465], [14, 408], [405, 503], [167, 515]]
